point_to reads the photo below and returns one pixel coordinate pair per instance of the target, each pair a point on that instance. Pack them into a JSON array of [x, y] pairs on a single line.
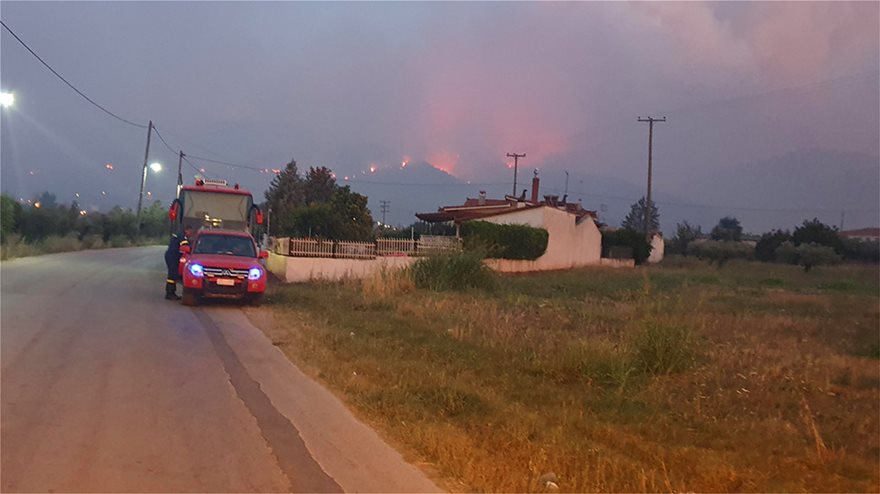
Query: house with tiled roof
[[574, 238], [863, 234]]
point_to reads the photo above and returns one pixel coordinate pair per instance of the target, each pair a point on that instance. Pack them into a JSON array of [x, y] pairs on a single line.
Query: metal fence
[[311, 247]]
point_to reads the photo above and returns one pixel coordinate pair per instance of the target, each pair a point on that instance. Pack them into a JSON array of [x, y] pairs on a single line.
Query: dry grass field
[[681, 377]]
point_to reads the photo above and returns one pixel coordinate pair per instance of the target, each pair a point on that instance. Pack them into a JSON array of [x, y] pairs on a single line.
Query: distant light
[[103, 193], [202, 170], [31, 173], [149, 193], [403, 164], [346, 177], [82, 212], [77, 194], [7, 99], [372, 168], [109, 166], [37, 204], [156, 167]]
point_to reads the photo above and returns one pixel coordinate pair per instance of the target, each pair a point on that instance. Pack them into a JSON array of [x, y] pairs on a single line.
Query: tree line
[[811, 244], [314, 205], [45, 221]]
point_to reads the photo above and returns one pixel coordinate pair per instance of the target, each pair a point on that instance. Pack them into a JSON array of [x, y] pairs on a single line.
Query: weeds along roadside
[[613, 380], [15, 246]]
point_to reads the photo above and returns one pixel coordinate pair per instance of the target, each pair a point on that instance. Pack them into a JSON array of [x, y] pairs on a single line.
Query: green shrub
[[54, 243], [116, 241], [816, 232], [92, 241], [766, 247], [807, 256], [860, 250], [721, 251], [663, 348], [452, 272], [617, 241], [505, 241]]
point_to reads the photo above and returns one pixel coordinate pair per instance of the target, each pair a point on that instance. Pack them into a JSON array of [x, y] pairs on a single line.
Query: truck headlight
[[197, 270], [255, 274]]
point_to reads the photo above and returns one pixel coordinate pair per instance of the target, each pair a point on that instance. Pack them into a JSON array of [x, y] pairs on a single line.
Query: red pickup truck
[[222, 264]]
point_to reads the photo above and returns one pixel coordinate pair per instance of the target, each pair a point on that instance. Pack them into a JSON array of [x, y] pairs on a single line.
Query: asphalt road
[[108, 387]]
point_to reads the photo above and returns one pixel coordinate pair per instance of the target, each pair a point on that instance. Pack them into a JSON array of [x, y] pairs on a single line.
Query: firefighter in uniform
[[172, 260]]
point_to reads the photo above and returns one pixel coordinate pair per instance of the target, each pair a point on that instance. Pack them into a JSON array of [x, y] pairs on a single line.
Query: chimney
[[482, 200], [535, 182]]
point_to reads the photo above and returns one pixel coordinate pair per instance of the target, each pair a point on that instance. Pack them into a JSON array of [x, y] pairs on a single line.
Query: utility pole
[[566, 182], [180, 173], [650, 121], [842, 216], [516, 158], [384, 206], [144, 176]]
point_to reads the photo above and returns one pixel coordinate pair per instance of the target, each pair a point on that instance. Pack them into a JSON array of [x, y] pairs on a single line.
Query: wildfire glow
[[108, 166], [445, 161], [372, 168]]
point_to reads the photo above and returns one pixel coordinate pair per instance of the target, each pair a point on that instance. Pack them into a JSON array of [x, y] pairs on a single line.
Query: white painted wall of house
[[569, 245], [658, 246]]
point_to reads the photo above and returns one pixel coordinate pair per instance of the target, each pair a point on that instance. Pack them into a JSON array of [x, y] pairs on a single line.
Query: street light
[[156, 167], [6, 99]]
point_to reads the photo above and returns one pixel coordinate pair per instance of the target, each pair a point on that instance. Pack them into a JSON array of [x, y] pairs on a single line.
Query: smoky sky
[[349, 85]]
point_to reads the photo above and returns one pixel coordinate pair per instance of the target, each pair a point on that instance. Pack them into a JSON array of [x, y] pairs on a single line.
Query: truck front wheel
[[189, 298]]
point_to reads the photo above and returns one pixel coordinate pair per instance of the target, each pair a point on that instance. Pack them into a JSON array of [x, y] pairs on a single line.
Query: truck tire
[[255, 300], [189, 297]]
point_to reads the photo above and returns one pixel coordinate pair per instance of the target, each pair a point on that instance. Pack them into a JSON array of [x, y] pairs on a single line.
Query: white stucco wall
[[302, 269], [569, 245], [658, 246]]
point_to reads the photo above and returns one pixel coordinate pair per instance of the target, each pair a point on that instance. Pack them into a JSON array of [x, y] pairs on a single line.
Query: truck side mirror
[[264, 254], [258, 217], [185, 249]]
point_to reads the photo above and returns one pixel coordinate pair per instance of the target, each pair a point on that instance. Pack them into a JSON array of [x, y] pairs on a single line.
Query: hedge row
[[626, 244], [505, 241]]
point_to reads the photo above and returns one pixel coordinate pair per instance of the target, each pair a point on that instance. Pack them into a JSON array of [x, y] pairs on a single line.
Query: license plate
[[225, 282]]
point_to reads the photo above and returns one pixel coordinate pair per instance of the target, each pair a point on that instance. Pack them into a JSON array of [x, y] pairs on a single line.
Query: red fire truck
[[222, 259]]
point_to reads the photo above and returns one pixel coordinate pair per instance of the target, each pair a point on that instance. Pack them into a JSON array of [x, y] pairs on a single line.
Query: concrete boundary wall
[[302, 269], [305, 269]]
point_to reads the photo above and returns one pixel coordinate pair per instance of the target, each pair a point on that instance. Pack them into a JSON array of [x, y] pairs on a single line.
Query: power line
[[194, 167], [90, 100], [434, 184], [226, 163], [156, 130], [112, 114]]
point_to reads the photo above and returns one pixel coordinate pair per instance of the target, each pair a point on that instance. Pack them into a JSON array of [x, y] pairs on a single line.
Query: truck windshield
[[229, 245], [215, 210]]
